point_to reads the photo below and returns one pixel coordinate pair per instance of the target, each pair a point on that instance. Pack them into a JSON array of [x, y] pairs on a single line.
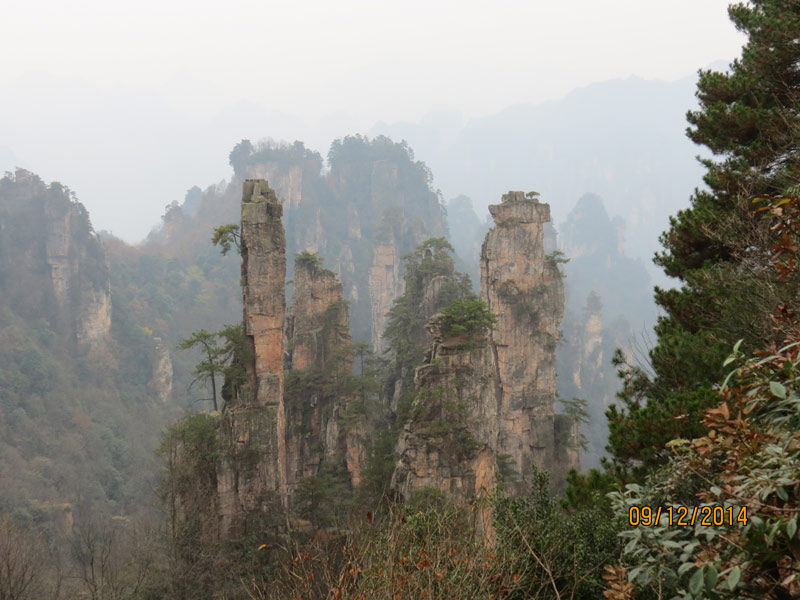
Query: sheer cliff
[[43, 230], [373, 205], [484, 404], [252, 476], [285, 420]]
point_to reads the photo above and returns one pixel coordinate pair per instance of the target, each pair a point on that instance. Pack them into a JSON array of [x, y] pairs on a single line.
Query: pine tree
[[720, 249]]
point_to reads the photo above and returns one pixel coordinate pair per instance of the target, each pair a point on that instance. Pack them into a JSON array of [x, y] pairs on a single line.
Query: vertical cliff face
[[161, 380], [523, 288], [320, 362], [77, 272], [485, 406], [43, 229], [385, 284], [590, 357], [285, 419], [453, 424], [251, 477], [340, 214]]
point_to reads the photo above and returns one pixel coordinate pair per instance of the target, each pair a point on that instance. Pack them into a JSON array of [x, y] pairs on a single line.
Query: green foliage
[[405, 330], [556, 550], [719, 248], [468, 318], [589, 490], [557, 257], [226, 236], [310, 260], [324, 498], [239, 157], [748, 458], [219, 359]]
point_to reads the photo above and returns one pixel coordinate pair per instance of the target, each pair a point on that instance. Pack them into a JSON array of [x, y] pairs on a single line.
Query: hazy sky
[[93, 92]]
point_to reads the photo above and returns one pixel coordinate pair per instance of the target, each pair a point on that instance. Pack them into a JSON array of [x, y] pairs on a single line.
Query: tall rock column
[[485, 406], [523, 288], [385, 284], [251, 477]]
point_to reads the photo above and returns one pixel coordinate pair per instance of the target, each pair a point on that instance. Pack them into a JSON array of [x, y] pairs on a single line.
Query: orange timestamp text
[[687, 516]]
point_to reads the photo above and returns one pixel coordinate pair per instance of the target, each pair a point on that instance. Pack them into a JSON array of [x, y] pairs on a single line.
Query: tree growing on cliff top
[[469, 317], [719, 248], [405, 330], [226, 236]]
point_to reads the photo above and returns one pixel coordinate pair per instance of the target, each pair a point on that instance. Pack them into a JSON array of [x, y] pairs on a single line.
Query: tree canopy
[[720, 248]]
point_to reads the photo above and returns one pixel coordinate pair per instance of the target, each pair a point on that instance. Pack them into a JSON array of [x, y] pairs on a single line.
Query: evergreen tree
[[719, 248]]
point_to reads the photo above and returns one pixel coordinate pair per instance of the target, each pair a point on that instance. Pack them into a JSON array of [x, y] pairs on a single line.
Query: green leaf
[[685, 567], [777, 389], [711, 577], [781, 491], [696, 582], [733, 577], [791, 528]]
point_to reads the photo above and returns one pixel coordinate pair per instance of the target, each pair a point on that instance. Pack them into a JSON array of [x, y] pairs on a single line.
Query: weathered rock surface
[[385, 284], [278, 429], [485, 406], [523, 288], [161, 381], [43, 229], [320, 360], [251, 477]]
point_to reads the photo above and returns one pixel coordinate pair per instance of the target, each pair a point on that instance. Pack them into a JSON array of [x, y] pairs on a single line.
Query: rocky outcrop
[[161, 380], [78, 271], [453, 424], [285, 419], [287, 182], [590, 357], [251, 476], [317, 327], [43, 229], [523, 288], [485, 405], [320, 365]]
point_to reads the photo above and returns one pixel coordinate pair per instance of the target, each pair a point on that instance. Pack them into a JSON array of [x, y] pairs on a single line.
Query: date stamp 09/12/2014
[[687, 516]]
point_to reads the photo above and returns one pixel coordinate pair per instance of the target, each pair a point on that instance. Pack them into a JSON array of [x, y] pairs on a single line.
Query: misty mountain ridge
[[622, 139]]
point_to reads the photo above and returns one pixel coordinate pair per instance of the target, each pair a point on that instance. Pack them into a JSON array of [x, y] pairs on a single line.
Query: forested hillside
[[80, 410]]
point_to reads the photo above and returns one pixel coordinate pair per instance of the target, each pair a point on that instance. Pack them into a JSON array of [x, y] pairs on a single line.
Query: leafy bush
[[467, 317]]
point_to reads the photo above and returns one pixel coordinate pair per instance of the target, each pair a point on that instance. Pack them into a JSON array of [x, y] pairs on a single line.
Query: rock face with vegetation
[[251, 477], [608, 306], [57, 236], [286, 410], [320, 366], [373, 206], [484, 400], [523, 287]]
